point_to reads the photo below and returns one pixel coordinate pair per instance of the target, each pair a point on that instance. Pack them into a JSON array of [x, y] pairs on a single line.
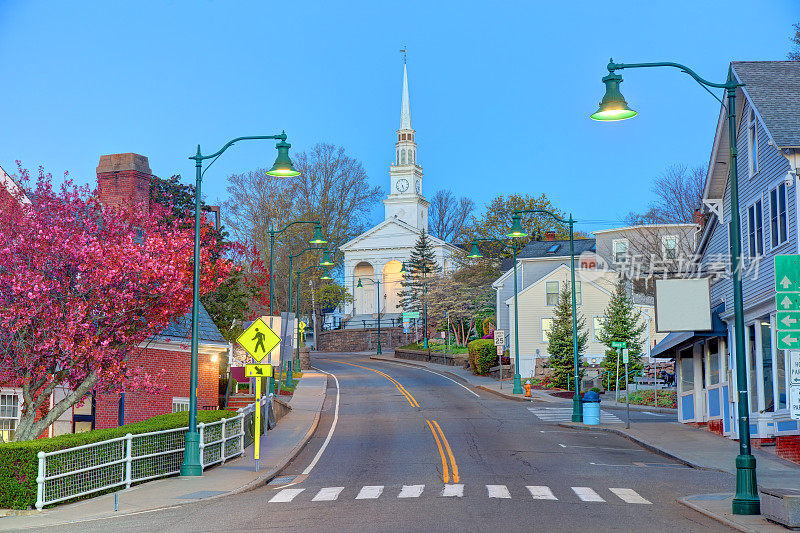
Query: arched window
[[411, 157], [402, 157]]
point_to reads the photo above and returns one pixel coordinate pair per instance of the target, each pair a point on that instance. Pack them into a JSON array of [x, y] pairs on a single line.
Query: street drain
[[281, 480]]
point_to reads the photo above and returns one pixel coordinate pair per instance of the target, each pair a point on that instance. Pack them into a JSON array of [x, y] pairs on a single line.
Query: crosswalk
[[457, 490], [564, 414]]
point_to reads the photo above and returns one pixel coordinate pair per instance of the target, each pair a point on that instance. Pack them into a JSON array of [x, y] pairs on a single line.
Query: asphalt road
[[415, 451]]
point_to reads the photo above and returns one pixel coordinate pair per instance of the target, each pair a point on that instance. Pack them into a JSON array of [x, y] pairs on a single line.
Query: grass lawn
[[646, 397], [437, 347]]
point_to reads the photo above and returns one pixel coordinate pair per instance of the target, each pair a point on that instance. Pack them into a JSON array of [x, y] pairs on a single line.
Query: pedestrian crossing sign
[[258, 371], [258, 340]]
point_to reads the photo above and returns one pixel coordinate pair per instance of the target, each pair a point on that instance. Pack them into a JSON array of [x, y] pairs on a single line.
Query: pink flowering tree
[[82, 286]]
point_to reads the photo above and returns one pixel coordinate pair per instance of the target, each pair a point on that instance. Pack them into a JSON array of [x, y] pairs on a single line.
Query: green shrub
[[19, 464], [482, 356]]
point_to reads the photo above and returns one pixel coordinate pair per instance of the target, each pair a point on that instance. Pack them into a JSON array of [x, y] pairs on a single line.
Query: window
[[669, 247], [766, 364], [620, 247], [777, 214], [780, 377], [552, 292], [402, 157], [180, 404], [755, 229], [687, 370], [752, 139], [553, 249], [713, 361], [597, 327], [9, 415], [752, 357], [547, 327], [578, 293]]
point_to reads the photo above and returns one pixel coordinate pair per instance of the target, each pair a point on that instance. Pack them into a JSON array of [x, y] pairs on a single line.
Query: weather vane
[[404, 50]]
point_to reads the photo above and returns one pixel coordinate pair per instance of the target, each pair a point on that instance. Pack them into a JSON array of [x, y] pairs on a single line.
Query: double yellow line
[[445, 471], [402, 389]]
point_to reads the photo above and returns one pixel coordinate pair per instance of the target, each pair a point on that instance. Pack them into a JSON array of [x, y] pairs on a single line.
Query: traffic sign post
[[499, 337], [625, 357], [258, 340], [794, 384]]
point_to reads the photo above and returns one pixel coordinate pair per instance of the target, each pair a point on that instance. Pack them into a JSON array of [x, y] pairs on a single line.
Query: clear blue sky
[[500, 92]]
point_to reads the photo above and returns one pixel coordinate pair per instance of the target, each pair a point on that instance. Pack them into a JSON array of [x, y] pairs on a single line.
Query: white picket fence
[[82, 470]]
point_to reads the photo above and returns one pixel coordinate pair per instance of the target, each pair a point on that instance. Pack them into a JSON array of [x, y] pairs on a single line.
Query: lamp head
[[613, 105], [475, 253], [516, 228], [318, 237], [325, 275], [326, 259], [283, 167], [359, 284]]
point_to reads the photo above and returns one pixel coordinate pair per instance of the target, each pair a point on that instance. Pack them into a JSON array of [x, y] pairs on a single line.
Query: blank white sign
[[683, 305]]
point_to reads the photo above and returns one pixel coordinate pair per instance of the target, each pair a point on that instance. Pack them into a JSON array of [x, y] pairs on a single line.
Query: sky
[[501, 92]]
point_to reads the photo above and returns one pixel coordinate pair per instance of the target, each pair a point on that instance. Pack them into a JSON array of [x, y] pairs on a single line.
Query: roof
[[350, 245], [579, 275], [182, 328], [546, 249], [646, 226], [774, 89], [405, 106], [669, 345], [13, 188]]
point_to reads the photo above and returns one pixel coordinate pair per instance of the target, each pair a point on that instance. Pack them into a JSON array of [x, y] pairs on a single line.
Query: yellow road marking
[[449, 452], [399, 387], [445, 472]]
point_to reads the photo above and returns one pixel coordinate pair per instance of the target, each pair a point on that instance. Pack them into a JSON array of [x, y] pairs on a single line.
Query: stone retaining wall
[[361, 340], [432, 357]]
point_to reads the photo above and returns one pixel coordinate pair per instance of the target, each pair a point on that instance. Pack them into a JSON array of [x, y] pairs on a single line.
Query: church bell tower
[[405, 201]]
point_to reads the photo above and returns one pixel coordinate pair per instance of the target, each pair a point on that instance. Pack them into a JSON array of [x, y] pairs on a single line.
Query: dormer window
[[553, 249]]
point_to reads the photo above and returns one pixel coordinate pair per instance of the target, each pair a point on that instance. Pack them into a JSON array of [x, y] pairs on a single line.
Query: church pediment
[[390, 233]]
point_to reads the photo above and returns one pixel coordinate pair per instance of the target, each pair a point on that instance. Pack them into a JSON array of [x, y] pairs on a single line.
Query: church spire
[[405, 109]]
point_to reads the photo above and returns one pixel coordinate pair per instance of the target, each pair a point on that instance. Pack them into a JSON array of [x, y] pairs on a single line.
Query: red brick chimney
[[124, 180], [550, 236]]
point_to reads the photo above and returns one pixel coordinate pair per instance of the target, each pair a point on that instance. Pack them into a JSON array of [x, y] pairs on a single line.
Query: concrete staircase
[[240, 400]]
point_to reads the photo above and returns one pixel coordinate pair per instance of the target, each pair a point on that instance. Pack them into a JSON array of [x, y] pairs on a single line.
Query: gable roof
[[181, 328], [349, 245], [773, 87], [547, 249], [13, 188], [578, 277]]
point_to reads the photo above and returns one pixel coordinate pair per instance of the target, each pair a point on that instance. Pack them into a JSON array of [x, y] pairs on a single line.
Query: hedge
[[482, 356], [19, 464]]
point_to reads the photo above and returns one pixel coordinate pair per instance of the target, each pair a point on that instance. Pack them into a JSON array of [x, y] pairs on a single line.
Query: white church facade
[[377, 254]]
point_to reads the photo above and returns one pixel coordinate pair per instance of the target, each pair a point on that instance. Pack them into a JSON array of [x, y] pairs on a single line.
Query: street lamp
[[282, 168], [317, 238], [476, 253], [377, 283], [297, 296], [614, 107]]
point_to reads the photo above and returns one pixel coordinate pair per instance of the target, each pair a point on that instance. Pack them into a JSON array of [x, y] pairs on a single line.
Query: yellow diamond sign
[[258, 340]]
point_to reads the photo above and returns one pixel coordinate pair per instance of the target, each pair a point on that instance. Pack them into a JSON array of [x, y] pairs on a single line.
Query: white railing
[[82, 470]]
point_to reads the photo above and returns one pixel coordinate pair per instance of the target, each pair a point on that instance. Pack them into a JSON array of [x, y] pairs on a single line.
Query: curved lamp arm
[[199, 157]]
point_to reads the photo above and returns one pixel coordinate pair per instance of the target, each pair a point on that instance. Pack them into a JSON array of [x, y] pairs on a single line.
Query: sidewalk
[[278, 447]]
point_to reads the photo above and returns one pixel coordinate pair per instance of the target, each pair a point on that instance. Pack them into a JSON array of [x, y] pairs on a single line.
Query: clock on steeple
[[402, 185]]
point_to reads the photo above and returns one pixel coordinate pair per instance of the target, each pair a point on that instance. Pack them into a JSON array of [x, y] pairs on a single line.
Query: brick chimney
[[550, 236], [124, 180]]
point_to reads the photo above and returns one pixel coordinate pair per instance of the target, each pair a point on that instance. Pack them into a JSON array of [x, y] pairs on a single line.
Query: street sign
[[258, 371], [794, 368], [625, 355], [794, 402], [787, 301], [258, 340], [410, 314], [618, 344], [302, 326], [499, 337], [444, 335], [500, 350]]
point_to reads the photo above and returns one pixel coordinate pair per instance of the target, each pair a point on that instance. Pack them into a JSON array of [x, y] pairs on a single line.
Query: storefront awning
[[678, 339]]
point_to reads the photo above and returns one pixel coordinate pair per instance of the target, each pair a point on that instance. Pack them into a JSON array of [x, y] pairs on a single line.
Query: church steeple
[[405, 109]]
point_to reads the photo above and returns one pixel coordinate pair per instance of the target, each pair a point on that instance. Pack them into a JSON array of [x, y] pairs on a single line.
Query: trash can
[[591, 408]]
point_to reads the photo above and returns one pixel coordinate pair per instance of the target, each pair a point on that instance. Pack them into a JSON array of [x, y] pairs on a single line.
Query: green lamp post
[[325, 276], [475, 253], [376, 282], [282, 168], [614, 107], [317, 238]]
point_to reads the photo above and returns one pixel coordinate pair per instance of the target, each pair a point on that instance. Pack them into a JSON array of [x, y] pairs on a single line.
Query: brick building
[[123, 180]]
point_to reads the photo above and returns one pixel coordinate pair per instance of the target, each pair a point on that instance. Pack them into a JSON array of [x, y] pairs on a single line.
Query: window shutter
[[766, 222]]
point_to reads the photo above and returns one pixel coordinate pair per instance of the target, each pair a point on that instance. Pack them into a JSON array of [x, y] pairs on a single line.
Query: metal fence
[[75, 472]]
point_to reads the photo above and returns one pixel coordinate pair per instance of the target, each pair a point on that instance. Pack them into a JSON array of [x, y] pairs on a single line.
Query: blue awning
[[678, 339]]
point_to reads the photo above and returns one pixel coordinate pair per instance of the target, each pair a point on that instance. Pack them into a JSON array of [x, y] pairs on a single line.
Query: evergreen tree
[[560, 340], [622, 323], [420, 267]]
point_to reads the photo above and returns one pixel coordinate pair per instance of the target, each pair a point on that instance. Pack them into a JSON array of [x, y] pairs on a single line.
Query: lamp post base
[[746, 501], [191, 455], [517, 384], [379, 352], [577, 408]]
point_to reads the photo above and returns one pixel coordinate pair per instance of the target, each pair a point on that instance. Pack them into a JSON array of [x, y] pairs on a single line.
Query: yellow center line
[[445, 472], [399, 387], [449, 452]]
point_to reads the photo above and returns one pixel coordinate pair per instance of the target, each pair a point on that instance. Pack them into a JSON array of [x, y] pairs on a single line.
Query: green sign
[[410, 314], [618, 344], [787, 301]]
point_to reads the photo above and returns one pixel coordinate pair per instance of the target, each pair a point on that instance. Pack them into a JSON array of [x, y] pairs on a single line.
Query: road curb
[[721, 519], [641, 442], [503, 395]]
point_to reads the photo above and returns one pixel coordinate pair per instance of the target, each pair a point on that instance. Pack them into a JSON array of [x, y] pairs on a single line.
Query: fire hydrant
[[527, 387]]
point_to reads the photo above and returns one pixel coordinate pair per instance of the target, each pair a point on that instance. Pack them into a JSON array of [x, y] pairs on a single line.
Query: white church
[[377, 254]]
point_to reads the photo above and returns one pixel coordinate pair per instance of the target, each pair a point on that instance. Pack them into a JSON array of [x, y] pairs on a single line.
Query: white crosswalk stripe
[[286, 495], [498, 491], [629, 496], [453, 490], [564, 414], [327, 494], [586, 494], [457, 490], [411, 491], [541, 493], [370, 492]]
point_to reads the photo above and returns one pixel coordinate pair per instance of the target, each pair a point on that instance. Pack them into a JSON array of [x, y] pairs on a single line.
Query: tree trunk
[[29, 428]]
